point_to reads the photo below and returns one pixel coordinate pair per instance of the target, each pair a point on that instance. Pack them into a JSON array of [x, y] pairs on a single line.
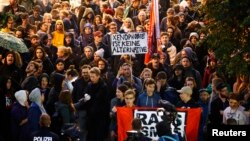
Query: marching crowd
[[69, 69]]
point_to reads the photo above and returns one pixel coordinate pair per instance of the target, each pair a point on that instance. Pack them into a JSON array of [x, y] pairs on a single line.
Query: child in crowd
[[234, 113]]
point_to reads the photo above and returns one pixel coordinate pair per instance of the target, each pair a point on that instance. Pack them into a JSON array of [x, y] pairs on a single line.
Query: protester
[[44, 132], [60, 34]]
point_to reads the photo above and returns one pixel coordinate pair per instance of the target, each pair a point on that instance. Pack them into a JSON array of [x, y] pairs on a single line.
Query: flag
[[124, 121], [193, 122], [154, 30], [188, 127]]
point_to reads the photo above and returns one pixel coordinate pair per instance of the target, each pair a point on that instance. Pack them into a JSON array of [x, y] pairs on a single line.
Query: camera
[[168, 111], [168, 114]]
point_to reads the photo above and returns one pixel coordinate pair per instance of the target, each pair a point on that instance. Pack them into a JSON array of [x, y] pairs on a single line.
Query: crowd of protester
[[70, 70]]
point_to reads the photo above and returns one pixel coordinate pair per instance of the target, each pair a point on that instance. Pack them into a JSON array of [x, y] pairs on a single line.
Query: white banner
[[149, 120], [129, 43]]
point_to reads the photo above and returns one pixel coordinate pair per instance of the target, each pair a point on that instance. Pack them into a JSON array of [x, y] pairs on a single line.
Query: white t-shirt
[[237, 114]]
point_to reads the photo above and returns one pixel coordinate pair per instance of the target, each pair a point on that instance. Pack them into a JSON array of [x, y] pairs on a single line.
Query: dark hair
[[220, 86], [72, 71], [191, 79], [123, 88], [186, 58], [149, 81], [59, 60], [65, 97], [161, 75], [136, 124], [86, 67], [43, 75], [178, 67], [128, 84], [44, 53], [37, 8], [21, 29], [40, 25], [9, 17], [234, 96]]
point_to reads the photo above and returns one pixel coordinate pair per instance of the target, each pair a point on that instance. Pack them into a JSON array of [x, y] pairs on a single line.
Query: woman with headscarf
[[35, 110], [19, 113]]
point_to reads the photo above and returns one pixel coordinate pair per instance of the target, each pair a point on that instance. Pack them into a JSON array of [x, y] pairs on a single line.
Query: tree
[[228, 27]]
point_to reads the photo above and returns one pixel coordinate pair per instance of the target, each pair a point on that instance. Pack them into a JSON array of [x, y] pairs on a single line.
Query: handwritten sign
[[129, 43]]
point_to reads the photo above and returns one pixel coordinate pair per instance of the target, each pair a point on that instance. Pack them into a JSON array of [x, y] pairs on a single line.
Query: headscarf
[[21, 97], [35, 96]]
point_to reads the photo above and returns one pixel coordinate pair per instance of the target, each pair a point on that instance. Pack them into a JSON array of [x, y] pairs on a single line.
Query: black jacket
[[45, 134]]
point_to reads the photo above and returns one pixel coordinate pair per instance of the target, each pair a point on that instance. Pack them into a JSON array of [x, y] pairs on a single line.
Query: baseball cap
[[203, 90], [186, 90]]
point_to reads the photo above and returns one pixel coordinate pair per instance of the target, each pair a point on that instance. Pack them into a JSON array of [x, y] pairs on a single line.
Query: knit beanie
[[100, 52]]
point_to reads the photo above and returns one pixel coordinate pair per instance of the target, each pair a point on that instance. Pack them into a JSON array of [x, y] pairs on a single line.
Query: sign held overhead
[[129, 43]]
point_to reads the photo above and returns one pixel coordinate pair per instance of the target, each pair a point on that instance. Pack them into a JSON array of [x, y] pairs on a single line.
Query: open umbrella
[[13, 43]]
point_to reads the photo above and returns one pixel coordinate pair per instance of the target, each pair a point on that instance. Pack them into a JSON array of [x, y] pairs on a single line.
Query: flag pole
[[157, 21], [157, 24]]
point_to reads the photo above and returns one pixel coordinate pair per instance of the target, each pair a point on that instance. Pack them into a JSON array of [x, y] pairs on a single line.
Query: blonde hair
[[95, 70], [18, 60], [132, 27], [145, 70], [47, 15], [130, 92], [66, 50]]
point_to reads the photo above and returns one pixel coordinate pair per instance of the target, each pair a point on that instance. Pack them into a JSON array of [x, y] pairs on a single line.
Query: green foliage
[[228, 28]]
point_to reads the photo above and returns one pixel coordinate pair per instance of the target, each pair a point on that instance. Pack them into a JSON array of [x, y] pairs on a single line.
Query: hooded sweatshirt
[[21, 97]]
